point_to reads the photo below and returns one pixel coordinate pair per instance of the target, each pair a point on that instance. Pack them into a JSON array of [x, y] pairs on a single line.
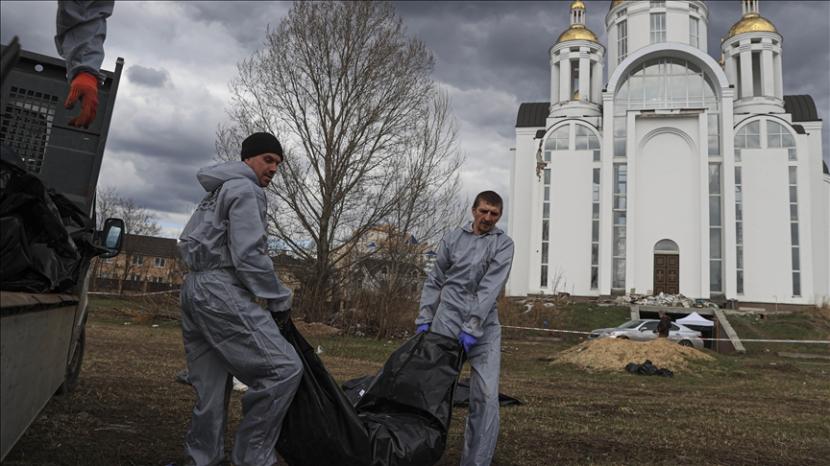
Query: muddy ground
[[751, 409]]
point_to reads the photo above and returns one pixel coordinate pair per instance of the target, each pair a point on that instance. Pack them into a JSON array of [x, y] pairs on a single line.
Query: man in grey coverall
[[459, 301], [226, 334]]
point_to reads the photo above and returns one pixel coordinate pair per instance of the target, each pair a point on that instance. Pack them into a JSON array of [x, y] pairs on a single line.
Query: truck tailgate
[[35, 333]]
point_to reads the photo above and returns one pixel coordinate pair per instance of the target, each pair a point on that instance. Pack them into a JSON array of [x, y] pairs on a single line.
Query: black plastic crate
[[34, 123]]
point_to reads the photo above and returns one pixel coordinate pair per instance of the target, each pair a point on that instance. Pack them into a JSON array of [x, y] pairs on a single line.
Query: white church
[[681, 173]]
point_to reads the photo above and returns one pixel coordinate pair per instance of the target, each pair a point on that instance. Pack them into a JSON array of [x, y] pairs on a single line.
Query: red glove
[[84, 86]]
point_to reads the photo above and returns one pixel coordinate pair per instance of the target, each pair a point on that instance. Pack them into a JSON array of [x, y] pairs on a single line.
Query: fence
[[130, 286]]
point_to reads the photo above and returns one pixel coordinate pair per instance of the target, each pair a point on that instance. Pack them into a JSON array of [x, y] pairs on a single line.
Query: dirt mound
[[613, 354], [316, 329]]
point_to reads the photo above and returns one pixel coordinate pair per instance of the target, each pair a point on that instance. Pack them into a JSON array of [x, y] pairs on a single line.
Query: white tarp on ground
[[695, 319]]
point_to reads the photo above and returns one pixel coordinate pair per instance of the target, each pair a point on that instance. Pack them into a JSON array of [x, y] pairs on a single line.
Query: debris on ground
[[664, 299], [316, 329], [647, 368], [612, 354], [184, 378]]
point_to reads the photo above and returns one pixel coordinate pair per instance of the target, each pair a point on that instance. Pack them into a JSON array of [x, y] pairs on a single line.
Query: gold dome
[[751, 22], [615, 3], [577, 32], [577, 5]]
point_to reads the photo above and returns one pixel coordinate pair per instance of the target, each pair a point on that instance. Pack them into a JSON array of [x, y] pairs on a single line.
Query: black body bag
[[45, 240], [402, 419]]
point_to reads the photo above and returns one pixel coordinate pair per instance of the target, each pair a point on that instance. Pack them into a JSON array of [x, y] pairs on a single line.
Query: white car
[[646, 329]]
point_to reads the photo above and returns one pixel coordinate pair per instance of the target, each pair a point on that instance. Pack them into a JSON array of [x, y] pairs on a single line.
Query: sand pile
[[613, 354], [316, 329]]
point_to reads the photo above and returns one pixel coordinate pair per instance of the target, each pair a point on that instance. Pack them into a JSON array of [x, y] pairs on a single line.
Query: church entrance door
[[667, 273], [666, 267]]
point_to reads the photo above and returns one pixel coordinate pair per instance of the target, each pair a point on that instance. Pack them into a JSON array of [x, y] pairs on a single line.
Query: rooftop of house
[[150, 246]]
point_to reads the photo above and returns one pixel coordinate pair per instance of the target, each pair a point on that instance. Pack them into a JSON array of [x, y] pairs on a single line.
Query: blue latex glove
[[467, 341], [422, 328]]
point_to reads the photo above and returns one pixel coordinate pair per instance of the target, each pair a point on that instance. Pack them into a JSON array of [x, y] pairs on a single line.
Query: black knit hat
[[261, 143]]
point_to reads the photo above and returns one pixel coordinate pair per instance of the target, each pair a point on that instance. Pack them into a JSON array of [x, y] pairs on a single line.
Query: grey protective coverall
[[460, 293], [80, 32], [225, 333]]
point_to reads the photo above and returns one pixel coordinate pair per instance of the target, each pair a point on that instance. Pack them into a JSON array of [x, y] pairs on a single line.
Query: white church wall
[[666, 201], [823, 294], [639, 31], [606, 196], [704, 26], [523, 211], [766, 226], [571, 198], [819, 212], [728, 190], [677, 23], [804, 180]]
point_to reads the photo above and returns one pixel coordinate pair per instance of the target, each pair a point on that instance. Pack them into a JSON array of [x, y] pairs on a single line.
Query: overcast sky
[[490, 57]]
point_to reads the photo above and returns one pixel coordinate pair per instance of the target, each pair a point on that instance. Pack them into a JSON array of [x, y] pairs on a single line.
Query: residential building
[[146, 264]]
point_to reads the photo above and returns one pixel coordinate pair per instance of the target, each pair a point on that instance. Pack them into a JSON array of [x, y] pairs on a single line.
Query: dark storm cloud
[[499, 45], [32, 22], [149, 77], [166, 143], [168, 186], [245, 21], [174, 124], [487, 112]]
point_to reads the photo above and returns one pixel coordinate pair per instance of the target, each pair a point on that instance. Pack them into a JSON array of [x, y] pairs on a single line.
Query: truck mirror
[[113, 236]]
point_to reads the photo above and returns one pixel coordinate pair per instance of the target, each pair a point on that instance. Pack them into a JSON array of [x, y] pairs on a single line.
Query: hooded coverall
[[460, 293], [225, 333]]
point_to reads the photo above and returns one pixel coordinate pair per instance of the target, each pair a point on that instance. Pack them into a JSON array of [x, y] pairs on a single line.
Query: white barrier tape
[[152, 293], [553, 330], [760, 340], [743, 340]]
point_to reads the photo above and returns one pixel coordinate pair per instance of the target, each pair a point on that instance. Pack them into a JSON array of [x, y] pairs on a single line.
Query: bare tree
[[427, 208], [348, 93], [137, 221], [106, 205]]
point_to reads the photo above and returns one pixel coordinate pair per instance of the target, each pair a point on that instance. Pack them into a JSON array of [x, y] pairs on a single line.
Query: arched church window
[[558, 140], [666, 245], [780, 137], [666, 82], [586, 139], [749, 137]]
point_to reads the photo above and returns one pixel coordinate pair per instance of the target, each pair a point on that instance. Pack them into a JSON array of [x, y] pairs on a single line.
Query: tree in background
[[137, 221], [428, 207], [367, 134]]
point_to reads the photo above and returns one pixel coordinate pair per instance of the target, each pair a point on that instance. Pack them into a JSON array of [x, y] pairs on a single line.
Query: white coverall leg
[[226, 334], [482, 427]]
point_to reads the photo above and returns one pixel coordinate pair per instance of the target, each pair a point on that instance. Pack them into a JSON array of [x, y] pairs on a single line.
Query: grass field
[[756, 408]]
